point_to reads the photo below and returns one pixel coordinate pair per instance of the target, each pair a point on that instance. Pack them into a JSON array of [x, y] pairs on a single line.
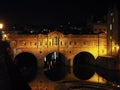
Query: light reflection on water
[[90, 73], [97, 78], [110, 75], [101, 75], [94, 78]]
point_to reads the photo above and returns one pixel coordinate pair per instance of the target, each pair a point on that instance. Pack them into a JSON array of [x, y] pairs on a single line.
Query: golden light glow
[[102, 51], [4, 37], [117, 47], [1, 26], [98, 79]]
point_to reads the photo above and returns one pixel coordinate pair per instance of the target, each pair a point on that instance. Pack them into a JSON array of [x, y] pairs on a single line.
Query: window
[[35, 43], [65, 43], [113, 20], [30, 43], [110, 26], [24, 43], [84, 42], [61, 43], [70, 43], [75, 43], [111, 13], [40, 51], [110, 37], [14, 43], [45, 43], [49, 43], [54, 42], [40, 43]]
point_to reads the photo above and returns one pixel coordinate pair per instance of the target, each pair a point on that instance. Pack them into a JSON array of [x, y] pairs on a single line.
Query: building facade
[[46, 49], [69, 53]]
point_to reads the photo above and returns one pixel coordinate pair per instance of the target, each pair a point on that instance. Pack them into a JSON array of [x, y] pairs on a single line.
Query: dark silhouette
[[12, 77]]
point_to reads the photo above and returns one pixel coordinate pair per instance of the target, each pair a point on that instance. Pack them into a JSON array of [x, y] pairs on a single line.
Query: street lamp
[[1, 26], [3, 34]]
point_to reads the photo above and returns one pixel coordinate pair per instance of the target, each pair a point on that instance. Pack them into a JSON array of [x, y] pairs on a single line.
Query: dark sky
[[48, 12]]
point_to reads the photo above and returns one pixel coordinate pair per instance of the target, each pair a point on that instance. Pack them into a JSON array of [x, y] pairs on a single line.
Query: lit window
[[102, 51], [14, 43], [54, 42], [113, 20], [111, 13], [24, 43], [50, 43], [110, 26], [110, 37], [45, 43]]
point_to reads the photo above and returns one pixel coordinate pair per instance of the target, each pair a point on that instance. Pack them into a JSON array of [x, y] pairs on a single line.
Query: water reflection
[[54, 66], [83, 72], [109, 75], [89, 72], [27, 65]]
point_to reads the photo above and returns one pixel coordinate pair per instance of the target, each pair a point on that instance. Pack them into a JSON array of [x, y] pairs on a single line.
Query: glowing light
[[4, 35], [118, 85], [102, 51], [98, 79], [117, 47], [1, 26], [45, 59]]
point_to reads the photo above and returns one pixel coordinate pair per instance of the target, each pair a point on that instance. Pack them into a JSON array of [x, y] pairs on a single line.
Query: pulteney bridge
[[55, 56]]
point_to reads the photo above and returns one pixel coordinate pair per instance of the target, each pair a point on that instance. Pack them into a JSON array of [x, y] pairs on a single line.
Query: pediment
[[55, 34]]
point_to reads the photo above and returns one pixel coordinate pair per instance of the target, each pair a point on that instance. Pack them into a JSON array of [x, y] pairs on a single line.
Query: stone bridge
[[56, 56]]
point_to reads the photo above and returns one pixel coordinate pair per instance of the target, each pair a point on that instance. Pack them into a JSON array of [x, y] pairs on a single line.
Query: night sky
[[51, 12]]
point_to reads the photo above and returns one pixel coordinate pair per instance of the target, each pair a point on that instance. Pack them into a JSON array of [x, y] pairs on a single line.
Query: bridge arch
[[27, 64], [82, 65], [55, 66]]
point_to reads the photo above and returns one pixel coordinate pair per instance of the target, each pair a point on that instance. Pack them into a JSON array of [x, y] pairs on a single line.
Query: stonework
[[68, 45]]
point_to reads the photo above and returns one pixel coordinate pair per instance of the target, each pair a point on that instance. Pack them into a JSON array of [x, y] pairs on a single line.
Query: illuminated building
[[112, 30], [69, 47], [70, 53]]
